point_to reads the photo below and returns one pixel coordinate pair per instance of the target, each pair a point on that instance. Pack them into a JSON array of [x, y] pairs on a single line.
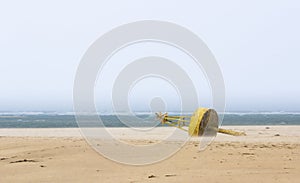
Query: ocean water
[[57, 120]]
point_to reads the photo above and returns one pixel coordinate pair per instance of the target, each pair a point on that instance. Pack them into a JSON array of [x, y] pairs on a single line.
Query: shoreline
[[287, 133]]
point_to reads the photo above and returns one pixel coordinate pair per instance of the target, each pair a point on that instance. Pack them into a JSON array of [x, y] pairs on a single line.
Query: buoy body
[[204, 121]]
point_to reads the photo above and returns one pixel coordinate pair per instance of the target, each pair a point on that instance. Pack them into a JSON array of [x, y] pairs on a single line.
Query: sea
[[68, 120]]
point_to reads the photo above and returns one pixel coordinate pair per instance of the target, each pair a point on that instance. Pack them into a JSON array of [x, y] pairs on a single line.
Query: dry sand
[[266, 154]]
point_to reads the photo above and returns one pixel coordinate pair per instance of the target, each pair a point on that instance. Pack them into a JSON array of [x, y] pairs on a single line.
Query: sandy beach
[[266, 154]]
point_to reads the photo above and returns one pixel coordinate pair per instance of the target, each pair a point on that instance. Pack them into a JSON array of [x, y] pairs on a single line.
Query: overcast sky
[[256, 44]]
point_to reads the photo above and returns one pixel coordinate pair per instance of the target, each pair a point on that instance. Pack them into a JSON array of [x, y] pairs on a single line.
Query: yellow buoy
[[203, 122]]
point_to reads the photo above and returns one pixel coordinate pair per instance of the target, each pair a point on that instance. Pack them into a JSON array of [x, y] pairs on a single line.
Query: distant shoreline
[[254, 133]]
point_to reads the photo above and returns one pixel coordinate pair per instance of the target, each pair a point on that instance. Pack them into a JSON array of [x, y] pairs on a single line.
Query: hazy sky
[[256, 44]]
